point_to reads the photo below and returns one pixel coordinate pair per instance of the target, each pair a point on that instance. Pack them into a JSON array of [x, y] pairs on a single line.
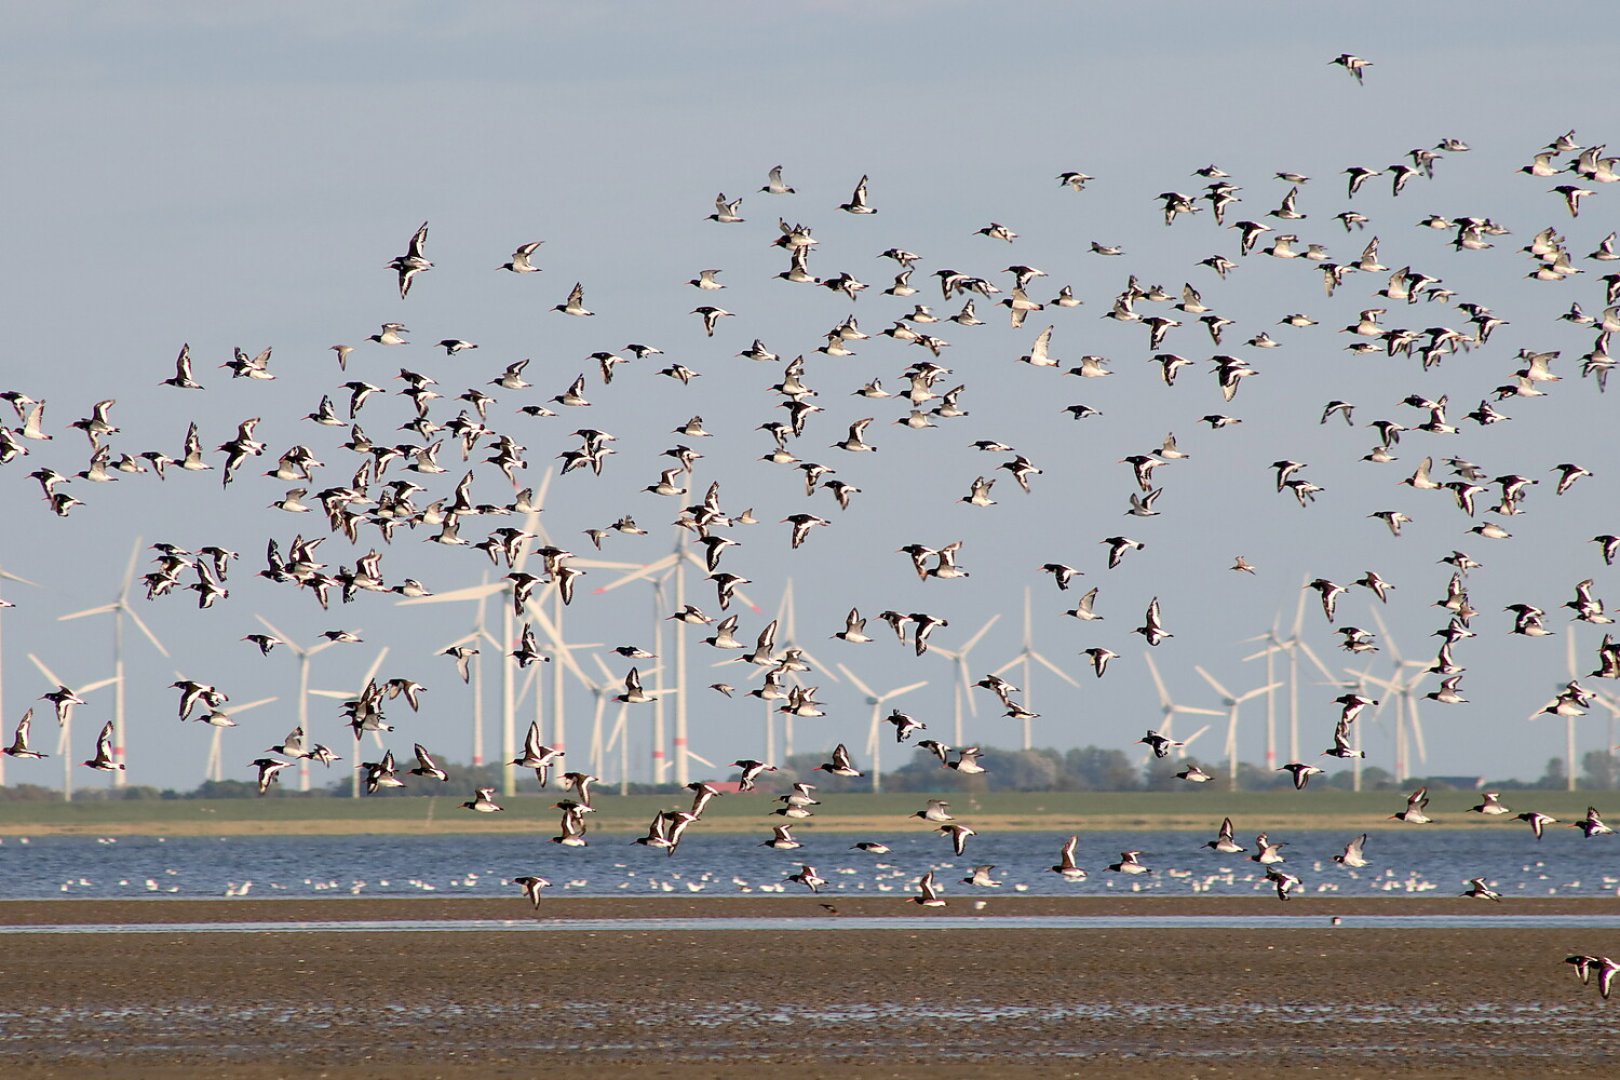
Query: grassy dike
[[1196, 810]]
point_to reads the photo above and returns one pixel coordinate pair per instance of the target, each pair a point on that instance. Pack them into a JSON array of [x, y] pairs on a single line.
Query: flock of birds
[[391, 489]]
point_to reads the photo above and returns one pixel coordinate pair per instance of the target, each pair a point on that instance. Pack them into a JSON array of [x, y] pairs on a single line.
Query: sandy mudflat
[[903, 1002]]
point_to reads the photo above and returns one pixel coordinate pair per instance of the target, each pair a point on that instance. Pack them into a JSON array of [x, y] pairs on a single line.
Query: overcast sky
[[231, 176]]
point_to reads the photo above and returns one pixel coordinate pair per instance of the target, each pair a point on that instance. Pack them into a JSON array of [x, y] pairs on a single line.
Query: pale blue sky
[[239, 175]]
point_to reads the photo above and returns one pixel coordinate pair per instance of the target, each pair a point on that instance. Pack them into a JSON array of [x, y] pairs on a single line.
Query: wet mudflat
[[897, 1002]]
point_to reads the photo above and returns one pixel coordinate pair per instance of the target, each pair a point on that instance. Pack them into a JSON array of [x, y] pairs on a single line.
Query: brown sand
[[902, 1002]]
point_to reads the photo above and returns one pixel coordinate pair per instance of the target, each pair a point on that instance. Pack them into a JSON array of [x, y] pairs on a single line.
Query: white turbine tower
[[120, 609], [304, 654], [962, 680], [1026, 654], [874, 737], [1233, 703], [64, 738], [6, 575], [1169, 710]]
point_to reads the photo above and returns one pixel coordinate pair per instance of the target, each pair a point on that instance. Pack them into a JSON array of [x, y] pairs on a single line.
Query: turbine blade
[[371, 672], [974, 640], [1053, 668], [817, 665], [1389, 641], [604, 564], [1158, 681], [1267, 651], [640, 573], [270, 626], [1310, 654], [562, 648], [904, 690], [545, 486], [1367, 676], [102, 610], [1219, 689], [965, 686], [1252, 694], [859, 685], [471, 592], [129, 570], [50, 676], [140, 624]]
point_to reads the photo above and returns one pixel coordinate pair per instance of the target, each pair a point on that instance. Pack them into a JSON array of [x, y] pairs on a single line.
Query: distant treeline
[[1088, 768]]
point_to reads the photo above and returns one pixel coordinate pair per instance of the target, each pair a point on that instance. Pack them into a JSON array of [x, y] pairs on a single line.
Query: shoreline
[[18, 915]]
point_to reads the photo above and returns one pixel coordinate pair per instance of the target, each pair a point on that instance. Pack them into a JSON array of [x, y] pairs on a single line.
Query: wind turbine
[[504, 643], [1291, 646], [119, 609], [874, 738], [1169, 710], [64, 738], [1026, 653], [677, 560], [345, 695], [601, 693], [216, 769], [1402, 688], [6, 575], [1569, 714], [787, 619], [962, 682], [621, 731], [551, 627], [1358, 683], [619, 736], [1609, 702], [304, 653], [501, 644], [479, 635], [1233, 703]]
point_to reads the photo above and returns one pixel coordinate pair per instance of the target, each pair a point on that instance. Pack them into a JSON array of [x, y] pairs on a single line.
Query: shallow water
[[1512, 921], [1415, 862]]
